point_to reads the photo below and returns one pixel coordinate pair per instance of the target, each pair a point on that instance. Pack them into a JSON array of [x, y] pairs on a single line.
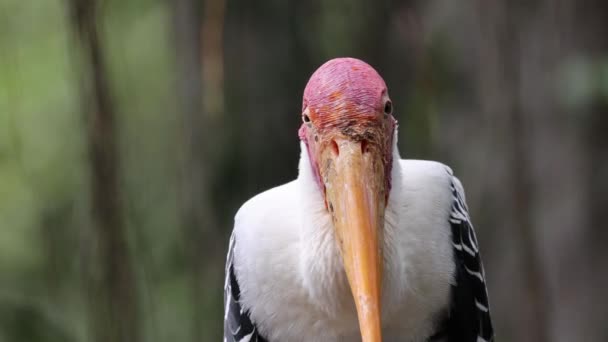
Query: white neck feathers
[[321, 267]]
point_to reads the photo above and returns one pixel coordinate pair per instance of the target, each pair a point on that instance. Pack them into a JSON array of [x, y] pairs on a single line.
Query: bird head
[[348, 130]]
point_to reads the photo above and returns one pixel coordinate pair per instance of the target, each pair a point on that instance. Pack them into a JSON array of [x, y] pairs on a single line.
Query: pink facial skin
[[347, 97]]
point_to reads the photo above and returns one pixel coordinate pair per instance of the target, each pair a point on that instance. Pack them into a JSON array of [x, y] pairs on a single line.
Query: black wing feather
[[238, 326], [469, 314]]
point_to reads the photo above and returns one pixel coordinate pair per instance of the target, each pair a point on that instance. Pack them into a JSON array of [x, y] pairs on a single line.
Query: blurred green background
[[131, 131]]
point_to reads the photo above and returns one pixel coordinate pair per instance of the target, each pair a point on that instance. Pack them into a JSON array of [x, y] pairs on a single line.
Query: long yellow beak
[[355, 195]]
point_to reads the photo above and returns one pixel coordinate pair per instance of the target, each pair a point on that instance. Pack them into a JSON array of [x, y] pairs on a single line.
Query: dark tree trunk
[[200, 105], [110, 282], [502, 29]]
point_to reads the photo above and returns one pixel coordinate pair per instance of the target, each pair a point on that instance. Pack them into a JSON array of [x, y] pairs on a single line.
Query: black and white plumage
[[286, 279], [237, 323], [465, 316], [469, 314]]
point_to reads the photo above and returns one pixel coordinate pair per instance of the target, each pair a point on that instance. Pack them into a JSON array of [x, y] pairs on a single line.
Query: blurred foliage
[[427, 54], [43, 171], [583, 82]]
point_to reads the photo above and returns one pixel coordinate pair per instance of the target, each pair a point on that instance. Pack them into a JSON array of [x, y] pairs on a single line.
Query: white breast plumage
[[292, 279]]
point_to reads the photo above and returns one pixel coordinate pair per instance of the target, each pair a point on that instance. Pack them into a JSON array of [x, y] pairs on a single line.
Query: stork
[[363, 245]]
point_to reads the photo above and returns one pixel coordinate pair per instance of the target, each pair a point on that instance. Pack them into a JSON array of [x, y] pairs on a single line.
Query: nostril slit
[[364, 146], [334, 148]]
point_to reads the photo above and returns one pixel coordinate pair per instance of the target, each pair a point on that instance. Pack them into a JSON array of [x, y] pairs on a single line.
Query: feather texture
[[285, 281], [469, 315], [237, 323]]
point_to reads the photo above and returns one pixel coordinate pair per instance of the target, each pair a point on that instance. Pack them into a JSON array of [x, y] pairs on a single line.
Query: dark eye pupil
[[388, 107], [305, 118]]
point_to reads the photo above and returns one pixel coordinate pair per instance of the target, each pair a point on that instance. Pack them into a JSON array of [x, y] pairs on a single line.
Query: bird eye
[[305, 118], [388, 108]]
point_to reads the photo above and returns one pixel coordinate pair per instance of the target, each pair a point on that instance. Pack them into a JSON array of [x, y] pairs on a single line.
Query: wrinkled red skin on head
[[347, 96]]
